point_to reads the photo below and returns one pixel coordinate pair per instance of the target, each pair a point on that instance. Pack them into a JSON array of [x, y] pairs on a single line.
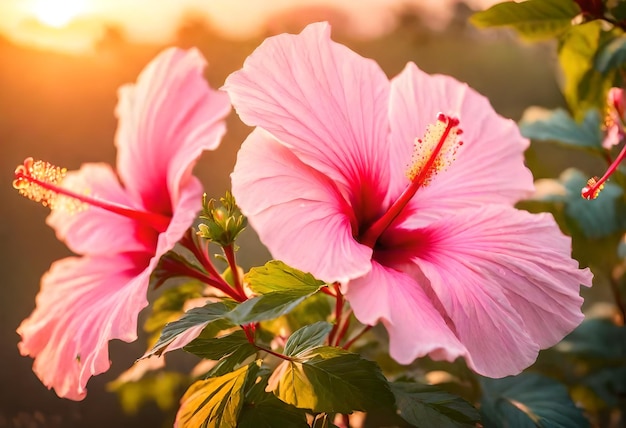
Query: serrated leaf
[[533, 19], [271, 305], [277, 276], [169, 307], [427, 406], [163, 271], [162, 388], [596, 218], [272, 413], [557, 125], [332, 380], [215, 402], [576, 56], [216, 348], [528, 400], [194, 318], [612, 56], [307, 338]]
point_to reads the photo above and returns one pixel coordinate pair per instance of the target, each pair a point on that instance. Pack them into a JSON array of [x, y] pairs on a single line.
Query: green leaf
[[533, 19], [272, 413], [528, 400], [271, 305], [277, 276], [427, 406], [162, 388], [215, 402], [612, 56], [164, 271], [559, 126], [584, 87], [595, 218], [216, 348], [196, 317], [331, 380], [169, 307], [308, 337]]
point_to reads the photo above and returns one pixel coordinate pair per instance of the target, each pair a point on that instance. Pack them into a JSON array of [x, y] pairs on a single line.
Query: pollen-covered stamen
[[41, 182], [432, 154], [595, 185], [436, 151]]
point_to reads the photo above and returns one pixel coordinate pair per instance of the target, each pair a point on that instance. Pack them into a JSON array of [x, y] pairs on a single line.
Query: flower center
[[41, 182], [432, 154]]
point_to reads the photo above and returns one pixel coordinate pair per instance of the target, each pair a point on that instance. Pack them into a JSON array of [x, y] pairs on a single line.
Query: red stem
[[338, 313], [355, 338], [230, 256]]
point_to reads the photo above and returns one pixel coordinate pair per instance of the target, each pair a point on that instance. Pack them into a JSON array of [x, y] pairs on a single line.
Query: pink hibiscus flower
[[361, 180], [121, 222]]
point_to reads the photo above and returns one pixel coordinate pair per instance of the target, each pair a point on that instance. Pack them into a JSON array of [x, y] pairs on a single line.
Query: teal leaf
[[215, 402], [425, 406], [612, 56], [211, 313], [533, 19], [277, 276], [559, 126], [331, 380], [595, 218], [307, 338], [528, 400], [596, 338]]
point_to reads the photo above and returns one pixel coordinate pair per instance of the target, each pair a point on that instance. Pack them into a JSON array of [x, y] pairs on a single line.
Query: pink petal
[[94, 230], [298, 212], [324, 102], [166, 120], [83, 304], [489, 166], [506, 280], [415, 327]]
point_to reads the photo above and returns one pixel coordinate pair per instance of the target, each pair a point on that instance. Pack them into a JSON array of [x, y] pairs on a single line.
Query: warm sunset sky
[[73, 24]]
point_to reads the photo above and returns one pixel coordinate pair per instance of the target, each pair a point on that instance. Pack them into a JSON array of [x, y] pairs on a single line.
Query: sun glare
[[57, 13]]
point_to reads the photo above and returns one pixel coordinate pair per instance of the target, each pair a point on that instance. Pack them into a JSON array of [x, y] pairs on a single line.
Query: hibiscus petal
[[166, 120], [298, 212], [489, 166], [507, 282], [83, 304], [324, 102], [415, 327], [94, 230]]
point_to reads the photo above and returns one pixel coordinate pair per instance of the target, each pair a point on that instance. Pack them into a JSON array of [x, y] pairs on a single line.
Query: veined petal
[[325, 103], [166, 120], [489, 166], [83, 304], [94, 230], [506, 280], [415, 327], [298, 212]]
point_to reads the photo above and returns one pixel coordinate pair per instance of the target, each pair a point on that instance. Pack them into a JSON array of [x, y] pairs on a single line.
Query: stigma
[[42, 182], [38, 181]]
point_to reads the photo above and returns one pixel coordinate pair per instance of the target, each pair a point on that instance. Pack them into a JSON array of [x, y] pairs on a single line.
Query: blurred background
[[61, 63]]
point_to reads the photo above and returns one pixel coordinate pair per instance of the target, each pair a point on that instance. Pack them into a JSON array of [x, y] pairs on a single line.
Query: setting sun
[[57, 13]]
